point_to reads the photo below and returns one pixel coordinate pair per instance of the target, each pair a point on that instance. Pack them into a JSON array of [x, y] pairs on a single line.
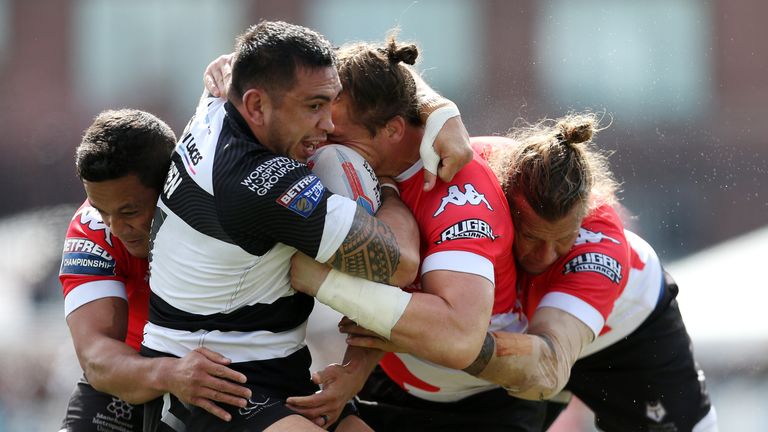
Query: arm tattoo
[[483, 357], [370, 250]]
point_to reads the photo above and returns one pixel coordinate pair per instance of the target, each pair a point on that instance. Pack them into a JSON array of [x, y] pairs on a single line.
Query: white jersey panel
[[638, 299], [202, 275]]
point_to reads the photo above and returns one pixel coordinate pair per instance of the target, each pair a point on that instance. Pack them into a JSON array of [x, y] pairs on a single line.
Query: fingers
[[430, 180], [219, 368], [218, 75], [213, 409], [448, 169], [210, 84], [355, 330], [368, 342]]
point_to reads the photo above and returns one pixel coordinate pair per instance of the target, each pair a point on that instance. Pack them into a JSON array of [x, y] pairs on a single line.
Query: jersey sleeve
[[280, 199], [90, 262], [465, 224], [587, 281]]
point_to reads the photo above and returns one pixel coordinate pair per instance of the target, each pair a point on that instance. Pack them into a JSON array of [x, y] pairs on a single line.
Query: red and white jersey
[[466, 227], [95, 265], [611, 280]]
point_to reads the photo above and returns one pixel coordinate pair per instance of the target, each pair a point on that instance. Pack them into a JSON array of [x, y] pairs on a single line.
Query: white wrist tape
[[435, 122], [372, 305]]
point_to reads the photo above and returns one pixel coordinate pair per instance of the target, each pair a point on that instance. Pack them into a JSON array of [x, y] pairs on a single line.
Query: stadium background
[[683, 82]]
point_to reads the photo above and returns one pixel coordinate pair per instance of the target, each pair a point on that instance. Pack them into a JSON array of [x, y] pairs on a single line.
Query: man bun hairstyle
[[123, 142], [268, 54], [556, 167], [378, 85]]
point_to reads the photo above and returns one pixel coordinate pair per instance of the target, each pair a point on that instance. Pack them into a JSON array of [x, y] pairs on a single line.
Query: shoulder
[[89, 247]]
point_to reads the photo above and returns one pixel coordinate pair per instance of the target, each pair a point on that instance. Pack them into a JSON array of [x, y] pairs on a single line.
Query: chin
[[533, 270]]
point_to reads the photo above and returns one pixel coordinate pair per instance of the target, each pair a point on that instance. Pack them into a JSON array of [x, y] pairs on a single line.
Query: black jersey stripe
[[194, 205], [284, 314]]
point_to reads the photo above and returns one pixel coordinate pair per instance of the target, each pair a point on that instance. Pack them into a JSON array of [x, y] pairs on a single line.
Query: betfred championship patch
[[303, 196], [84, 257], [467, 229], [596, 263]]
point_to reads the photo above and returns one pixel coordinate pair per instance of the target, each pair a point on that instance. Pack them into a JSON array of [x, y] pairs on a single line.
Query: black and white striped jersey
[[230, 216]]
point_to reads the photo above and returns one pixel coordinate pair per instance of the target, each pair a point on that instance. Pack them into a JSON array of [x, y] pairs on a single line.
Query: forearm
[[113, 367], [400, 220], [537, 365], [360, 362], [453, 338]]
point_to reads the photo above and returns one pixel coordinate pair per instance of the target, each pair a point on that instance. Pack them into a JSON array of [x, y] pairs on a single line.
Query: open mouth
[[310, 145]]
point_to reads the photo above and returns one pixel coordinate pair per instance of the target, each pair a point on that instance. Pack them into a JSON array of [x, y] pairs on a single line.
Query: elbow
[[406, 270], [464, 349], [547, 380], [543, 389]]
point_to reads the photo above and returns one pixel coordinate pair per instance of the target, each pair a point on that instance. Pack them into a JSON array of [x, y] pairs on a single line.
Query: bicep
[[468, 295], [105, 317]]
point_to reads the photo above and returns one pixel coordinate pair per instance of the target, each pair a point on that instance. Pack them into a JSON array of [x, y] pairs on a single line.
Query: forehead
[[528, 222], [110, 195], [311, 83]]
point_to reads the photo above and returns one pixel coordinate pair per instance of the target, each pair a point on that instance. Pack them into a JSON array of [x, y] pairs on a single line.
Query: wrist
[[160, 375], [391, 186]]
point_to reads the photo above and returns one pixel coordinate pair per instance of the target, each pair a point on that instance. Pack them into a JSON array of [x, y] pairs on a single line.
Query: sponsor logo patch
[[456, 197], [303, 196], [587, 236], [172, 181], [90, 216], [189, 151], [655, 411], [266, 175], [596, 263], [84, 257], [467, 229]]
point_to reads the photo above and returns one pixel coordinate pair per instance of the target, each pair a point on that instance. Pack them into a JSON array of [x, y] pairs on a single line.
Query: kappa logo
[[91, 217], [587, 236], [596, 263], [467, 229], [457, 197], [655, 411]]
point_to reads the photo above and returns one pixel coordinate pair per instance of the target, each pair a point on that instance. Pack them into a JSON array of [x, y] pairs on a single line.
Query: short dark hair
[[379, 85], [268, 54], [123, 142]]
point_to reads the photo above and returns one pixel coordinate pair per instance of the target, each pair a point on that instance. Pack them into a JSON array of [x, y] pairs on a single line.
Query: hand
[[307, 274], [218, 75], [337, 387], [364, 338], [452, 145], [202, 378]]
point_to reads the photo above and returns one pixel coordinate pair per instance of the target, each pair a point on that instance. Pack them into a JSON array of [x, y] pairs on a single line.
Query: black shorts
[[648, 381], [385, 406], [266, 405], [90, 410]]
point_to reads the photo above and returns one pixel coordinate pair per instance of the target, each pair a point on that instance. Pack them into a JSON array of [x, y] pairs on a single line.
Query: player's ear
[[255, 104], [395, 128]]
